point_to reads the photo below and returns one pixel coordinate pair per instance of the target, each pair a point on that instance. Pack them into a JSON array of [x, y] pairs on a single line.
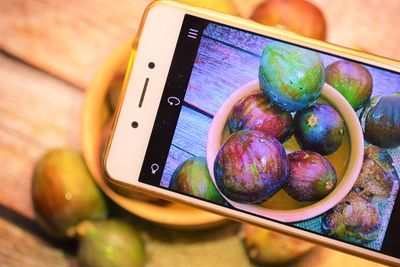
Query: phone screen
[[213, 61]]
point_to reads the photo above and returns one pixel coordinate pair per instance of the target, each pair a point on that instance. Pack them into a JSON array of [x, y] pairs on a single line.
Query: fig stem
[[80, 230]]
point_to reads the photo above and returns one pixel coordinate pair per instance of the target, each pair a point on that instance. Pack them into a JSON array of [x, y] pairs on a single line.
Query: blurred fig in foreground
[[267, 247], [111, 243], [298, 16], [64, 193]]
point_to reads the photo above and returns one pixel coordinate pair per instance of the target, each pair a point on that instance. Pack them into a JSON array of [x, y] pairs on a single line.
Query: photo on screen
[[228, 62]]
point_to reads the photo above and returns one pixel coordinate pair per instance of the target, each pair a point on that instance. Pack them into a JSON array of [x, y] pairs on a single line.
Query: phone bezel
[[158, 47]]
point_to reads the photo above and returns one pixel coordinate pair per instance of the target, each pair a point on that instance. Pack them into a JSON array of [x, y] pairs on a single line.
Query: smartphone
[[191, 69]]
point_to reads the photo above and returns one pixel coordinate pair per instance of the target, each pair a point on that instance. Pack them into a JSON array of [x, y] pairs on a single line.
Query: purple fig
[[381, 120], [250, 167], [352, 80], [255, 112], [319, 128], [311, 177]]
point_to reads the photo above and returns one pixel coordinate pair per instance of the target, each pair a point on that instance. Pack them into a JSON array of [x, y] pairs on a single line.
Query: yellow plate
[[95, 114]]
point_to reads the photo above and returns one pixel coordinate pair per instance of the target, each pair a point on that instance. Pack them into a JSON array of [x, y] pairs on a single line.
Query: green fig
[[192, 177], [111, 243], [290, 76], [64, 193]]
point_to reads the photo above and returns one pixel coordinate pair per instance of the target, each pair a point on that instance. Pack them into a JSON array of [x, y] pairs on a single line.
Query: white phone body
[[157, 42]]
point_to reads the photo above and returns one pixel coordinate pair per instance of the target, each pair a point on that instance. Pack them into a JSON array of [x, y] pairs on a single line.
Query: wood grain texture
[[67, 38], [20, 248], [189, 140], [70, 38], [219, 70], [37, 112]]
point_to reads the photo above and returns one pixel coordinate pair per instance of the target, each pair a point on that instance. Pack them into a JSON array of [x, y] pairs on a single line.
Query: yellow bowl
[[95, 114], [347, 160]]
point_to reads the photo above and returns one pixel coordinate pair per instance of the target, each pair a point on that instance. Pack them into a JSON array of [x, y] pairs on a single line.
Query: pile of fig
[[357, 218], [252, 165]]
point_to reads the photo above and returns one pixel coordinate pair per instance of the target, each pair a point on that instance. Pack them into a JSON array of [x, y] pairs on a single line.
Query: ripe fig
[[290, 76], [250, 167], [354, 219], [255, 112], [381, 120], [267, 247], [311, 177], [299, 16], [319, 128], [64, 193], [111, 243], [352, 80], [192, 177]]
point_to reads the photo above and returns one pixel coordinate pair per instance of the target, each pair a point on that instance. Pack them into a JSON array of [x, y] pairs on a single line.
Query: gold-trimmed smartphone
[[192, 68]]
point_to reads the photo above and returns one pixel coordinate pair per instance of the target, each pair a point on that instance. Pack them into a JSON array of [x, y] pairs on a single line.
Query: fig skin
[[267, 247], [352, 80], [381, 121], [192, 177], [354, 219], [64, 193], [319, 128], [255, 112], [111, 243], [291, 77], [311, 177], [250, 167], [299, 16]]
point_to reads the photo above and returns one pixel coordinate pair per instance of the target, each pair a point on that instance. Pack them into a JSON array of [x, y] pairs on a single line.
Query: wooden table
[[50, 51]]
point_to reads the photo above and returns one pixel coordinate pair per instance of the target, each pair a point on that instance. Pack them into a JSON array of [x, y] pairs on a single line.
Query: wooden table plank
[[67, 38], [37, 112], [209, 86], [19, 248], [70, 38]]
